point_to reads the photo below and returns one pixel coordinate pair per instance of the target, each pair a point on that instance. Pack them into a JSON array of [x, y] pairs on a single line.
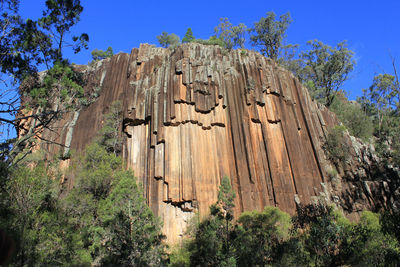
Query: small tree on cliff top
[[327, 68], [230, 35], [188, 38], [270, 34], [168, 40], [100, 54]]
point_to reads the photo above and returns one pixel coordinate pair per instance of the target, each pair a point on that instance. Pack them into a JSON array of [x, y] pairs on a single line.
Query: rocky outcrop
[[363, 181], [194, 114]]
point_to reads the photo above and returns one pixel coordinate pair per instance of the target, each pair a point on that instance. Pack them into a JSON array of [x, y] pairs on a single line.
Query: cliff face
[[197, 113]]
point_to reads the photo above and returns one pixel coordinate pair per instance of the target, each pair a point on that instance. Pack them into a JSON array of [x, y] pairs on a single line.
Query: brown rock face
[[197, 113]]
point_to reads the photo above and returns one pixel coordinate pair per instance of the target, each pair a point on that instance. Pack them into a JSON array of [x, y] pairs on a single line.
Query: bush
[[212, 41], [259, 234], [335, 145], [353, 117], [100, 54]]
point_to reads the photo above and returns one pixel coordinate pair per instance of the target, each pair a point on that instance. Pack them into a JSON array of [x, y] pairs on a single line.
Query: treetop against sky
[[371, 28]]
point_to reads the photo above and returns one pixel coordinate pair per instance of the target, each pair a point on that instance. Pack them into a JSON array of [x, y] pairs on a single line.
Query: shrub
[[212, 41], [353, 117], [335, 145]]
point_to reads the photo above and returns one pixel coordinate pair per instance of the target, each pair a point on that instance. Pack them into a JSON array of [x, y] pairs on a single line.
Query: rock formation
[[194, 114]]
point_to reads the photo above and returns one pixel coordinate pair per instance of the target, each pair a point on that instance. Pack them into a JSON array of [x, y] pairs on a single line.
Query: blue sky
[[372, 28]]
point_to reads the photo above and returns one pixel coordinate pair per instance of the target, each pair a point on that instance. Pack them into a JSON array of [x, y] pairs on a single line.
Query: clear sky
[[372, 28]]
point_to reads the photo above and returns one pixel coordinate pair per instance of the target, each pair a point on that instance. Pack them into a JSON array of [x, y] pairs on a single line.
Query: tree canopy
[[327, 68], [231, 36], [188, 38], [100, 54], [168, 40], [25, 45], [270, 33]]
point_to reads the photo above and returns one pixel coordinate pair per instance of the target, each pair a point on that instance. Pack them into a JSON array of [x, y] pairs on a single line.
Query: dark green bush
[[335, 145], [353, 117]]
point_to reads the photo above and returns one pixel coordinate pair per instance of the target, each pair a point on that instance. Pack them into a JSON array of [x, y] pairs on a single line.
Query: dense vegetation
[[103, 220], [316, 236]]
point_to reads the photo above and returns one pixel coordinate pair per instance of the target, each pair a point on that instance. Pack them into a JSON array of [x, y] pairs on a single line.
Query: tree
[[19, 55], [352, 116], [269, 34], [381, 101], [35, 218], [57, 20], [384, 95], [188, 38], [326, 69], [259, 234], [224, 31], [100, 54], [110, 133], [24, 45], [134, 233], [212, 244], [42, 103], [326, 231], [368, 245], [167, 40], [211, 41], [335, 146], [290, 60], [232, 36], [239, 35], [107, 208]]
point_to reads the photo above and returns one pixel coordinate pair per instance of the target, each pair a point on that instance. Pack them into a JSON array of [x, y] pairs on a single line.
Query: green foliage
[[18, 54], [180, 255], [239, 35], [60, 83], [168, 40], [382, 102], [390, 225], [35, 218], [212, 244], [209, 247], [188, 38], [26, 44], [317, 236], [269, 34], [369, 245], [211, 41], [353, 117], [335, 145], [100, 54], [226, 197], [230, 35], [57, 20], [110, 137], [258, 235], [106, 206], [104, 219], [323, 233], [328, 68], [288, 58]]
